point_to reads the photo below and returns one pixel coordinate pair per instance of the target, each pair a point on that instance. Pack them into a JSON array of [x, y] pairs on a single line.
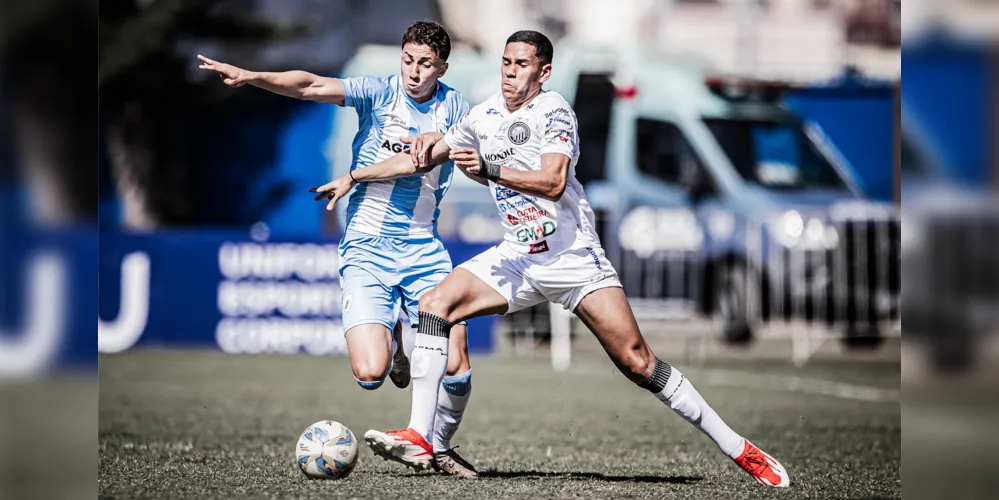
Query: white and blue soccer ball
[[326, 450]]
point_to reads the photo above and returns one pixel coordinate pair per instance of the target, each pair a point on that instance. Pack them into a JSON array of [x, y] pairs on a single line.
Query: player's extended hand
[[231, 75], [467, 159], [420, 147], [334, 190]]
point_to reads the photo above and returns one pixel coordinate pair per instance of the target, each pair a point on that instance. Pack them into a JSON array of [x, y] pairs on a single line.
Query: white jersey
[[534, 226]]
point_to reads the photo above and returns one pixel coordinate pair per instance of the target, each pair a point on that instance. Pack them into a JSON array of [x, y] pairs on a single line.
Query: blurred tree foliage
[[46, 67], [145, 95]]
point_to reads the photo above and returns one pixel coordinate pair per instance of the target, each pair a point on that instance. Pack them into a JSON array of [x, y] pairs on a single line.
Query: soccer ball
[[326, 450]]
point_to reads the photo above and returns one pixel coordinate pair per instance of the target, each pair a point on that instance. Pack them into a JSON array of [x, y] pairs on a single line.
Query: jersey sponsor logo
[[556, 111], [519, 133], [560, 134], [492, 111], [506, 206], [553, 120], [529, 214], [536, 232], [539, 247], [502, 155], [398, 120], [503, 193], [482, 136], [395, 147]]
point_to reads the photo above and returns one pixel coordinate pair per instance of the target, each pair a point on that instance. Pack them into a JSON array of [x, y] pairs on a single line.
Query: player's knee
[[370, 376], [438, 303], [637, 366]]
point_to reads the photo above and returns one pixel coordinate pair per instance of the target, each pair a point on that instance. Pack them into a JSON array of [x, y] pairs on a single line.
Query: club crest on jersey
[[519, 133]]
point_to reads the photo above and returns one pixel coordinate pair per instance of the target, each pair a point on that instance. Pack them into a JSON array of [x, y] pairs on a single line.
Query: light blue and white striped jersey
[[406, 207]]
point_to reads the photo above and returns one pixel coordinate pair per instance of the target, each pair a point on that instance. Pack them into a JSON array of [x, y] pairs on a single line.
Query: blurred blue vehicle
[[716, 196], [951, 298]]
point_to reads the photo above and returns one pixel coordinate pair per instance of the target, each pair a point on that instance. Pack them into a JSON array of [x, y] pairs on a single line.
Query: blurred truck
[[713, 193], [951, 295]]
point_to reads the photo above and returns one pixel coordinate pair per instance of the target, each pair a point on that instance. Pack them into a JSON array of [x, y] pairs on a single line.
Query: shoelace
[[755, 463], [453, 457]]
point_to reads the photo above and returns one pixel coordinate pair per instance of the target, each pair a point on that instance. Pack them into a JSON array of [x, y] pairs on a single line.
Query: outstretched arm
[[399, 165], [297, 84]]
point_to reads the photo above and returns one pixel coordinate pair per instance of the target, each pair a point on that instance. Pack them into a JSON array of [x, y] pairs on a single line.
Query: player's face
[[523, 74], [421, 68]]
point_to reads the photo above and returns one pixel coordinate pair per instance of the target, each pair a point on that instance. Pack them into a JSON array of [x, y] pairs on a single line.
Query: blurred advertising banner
[[47, 301], [226, 291]]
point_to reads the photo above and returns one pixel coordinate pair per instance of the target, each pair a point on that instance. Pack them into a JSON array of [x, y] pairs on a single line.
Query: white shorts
[[526, 281]]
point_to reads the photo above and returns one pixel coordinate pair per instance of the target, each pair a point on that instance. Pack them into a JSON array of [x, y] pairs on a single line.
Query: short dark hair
[[432, 35], [542, 45]]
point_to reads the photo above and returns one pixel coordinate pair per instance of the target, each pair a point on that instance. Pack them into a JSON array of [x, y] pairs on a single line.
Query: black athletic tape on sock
[[433, 325], [657, 382]]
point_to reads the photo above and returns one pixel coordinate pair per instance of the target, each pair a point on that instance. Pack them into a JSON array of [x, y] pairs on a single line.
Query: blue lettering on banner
[[221, 291]]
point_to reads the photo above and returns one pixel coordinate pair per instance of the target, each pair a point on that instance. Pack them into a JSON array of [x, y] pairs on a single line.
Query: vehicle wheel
[[731, 305]]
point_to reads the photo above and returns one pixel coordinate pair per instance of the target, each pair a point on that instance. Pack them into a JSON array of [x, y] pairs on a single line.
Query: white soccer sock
[[451, 403], [427, 366], [679, 394]]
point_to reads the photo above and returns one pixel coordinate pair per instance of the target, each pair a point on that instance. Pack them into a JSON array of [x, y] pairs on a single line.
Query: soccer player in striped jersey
[[391, 253]]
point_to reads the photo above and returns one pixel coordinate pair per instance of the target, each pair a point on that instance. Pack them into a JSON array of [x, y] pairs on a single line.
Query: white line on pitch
[[806, 385]]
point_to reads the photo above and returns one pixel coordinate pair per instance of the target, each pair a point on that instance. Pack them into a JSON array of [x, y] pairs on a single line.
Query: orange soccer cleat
[[763, 467]]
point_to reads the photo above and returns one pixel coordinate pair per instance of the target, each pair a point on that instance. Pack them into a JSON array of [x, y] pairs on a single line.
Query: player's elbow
[[556, 189]]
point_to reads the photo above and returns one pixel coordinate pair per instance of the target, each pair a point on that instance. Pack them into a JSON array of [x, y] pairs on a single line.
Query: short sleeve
[[460, 109], [461, 134], [363, 92], [558, 127]]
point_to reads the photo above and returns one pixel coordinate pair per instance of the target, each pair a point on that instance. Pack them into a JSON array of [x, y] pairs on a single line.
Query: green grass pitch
[[194, 424]]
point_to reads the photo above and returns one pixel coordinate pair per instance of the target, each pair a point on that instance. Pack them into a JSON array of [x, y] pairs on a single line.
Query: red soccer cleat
[[405, 446], [763, 467]]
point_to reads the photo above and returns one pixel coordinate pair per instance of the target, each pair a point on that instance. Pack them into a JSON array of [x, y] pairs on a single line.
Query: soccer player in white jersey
[[391, 254], [528, 142]]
